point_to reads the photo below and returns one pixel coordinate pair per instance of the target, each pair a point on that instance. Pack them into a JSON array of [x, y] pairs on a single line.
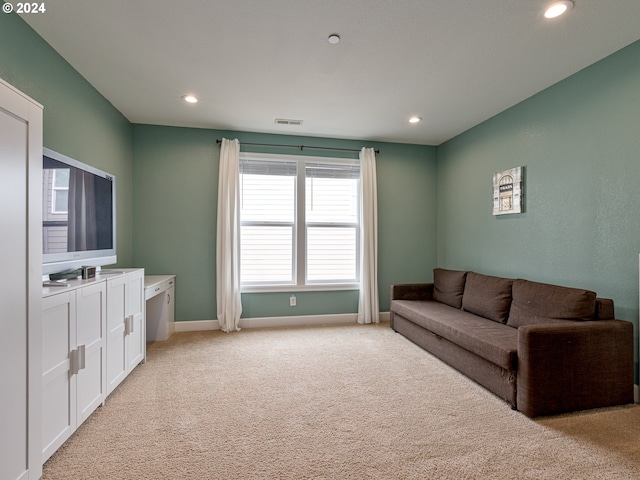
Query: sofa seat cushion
[[489, 297], [493, 341], [448, 286], [536, 303]]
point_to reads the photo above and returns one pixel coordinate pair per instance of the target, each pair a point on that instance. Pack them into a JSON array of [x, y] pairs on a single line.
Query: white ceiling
[[453, 62]]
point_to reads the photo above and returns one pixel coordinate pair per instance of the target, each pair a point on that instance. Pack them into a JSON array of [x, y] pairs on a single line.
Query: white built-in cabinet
[[126, 338], [73, 350], [20, 285], [94, 336]]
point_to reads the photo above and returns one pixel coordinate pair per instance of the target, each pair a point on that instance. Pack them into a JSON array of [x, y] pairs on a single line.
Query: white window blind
[[299, 221], [331, 222], [267, 221]]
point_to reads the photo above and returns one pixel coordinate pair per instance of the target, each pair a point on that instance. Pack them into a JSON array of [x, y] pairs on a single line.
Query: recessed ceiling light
[[334, 39], [558, 8], [190, 99], [415, 119]]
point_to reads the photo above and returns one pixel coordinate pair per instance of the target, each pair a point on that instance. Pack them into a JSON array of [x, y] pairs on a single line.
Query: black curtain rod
[[301, 147]]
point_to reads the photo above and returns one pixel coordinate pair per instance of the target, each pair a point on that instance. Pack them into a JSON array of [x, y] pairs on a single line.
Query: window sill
[[326, 287]]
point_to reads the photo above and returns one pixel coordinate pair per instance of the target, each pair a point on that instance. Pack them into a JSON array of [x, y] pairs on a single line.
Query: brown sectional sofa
[[545, 349]]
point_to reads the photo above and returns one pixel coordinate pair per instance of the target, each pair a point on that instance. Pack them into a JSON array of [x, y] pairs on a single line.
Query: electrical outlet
[[292, 301]]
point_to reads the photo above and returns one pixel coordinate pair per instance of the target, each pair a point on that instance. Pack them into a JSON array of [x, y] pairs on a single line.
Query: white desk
[[159, 293]]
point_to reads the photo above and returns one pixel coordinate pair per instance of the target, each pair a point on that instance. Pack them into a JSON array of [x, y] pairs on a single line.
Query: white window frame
[[300, 282]]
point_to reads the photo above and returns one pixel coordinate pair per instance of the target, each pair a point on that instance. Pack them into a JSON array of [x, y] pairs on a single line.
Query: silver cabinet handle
[[73, 362], [77, 360], [82, 359], [128, 325]]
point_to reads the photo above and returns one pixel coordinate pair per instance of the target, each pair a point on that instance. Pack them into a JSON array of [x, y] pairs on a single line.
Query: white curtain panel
[[229, 304], [368, 308]]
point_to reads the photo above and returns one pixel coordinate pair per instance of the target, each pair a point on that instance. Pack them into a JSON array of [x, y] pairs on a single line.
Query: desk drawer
[[156, 289]]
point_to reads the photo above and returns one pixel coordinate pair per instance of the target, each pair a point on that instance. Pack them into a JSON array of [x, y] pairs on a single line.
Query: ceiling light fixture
[[190, 98], [558, 8], [334, 39], [415, 119]]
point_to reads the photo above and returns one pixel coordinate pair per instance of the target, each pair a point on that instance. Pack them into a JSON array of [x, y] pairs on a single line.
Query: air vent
[[287, 121]]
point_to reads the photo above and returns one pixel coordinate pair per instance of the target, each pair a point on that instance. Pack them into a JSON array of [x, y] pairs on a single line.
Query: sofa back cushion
[[448, 286], [538, 303], [488, 297]]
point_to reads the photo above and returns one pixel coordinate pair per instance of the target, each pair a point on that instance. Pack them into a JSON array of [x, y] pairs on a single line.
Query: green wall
[[174, 214], [78, 121], [579, 142]]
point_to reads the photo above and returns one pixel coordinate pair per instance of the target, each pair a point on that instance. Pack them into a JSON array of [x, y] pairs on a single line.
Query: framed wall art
[[508, 192]]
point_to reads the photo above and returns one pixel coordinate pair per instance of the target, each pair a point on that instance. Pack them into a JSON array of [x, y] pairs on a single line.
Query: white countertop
[[151, 280]]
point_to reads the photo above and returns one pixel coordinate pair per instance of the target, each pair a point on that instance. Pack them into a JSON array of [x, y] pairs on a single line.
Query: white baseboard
[[298, 321], [295, 321], [196, 326]]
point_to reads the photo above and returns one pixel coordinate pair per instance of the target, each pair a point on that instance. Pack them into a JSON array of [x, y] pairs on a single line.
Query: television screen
[[78, 221]]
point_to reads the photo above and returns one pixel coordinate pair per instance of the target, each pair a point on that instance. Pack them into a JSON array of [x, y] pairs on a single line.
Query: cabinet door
[[91, 335], [20, 285], [136, 336], [116, 314], [58, 381]]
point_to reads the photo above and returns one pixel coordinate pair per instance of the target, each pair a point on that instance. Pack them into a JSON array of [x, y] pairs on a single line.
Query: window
[[60, 190], [267, 213], [299, 221]]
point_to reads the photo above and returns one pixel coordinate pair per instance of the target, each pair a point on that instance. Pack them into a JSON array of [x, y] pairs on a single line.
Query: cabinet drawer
[[156, 289]]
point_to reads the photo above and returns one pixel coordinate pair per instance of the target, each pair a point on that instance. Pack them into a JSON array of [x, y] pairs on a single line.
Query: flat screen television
[[78, 215]]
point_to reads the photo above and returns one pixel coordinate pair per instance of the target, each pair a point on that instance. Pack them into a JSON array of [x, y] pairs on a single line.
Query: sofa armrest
[[577, 366], [412, 291], [409, 291], [604, 309]]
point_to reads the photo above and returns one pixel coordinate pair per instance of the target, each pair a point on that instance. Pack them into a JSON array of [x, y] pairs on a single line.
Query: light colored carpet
[[330, 402]]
